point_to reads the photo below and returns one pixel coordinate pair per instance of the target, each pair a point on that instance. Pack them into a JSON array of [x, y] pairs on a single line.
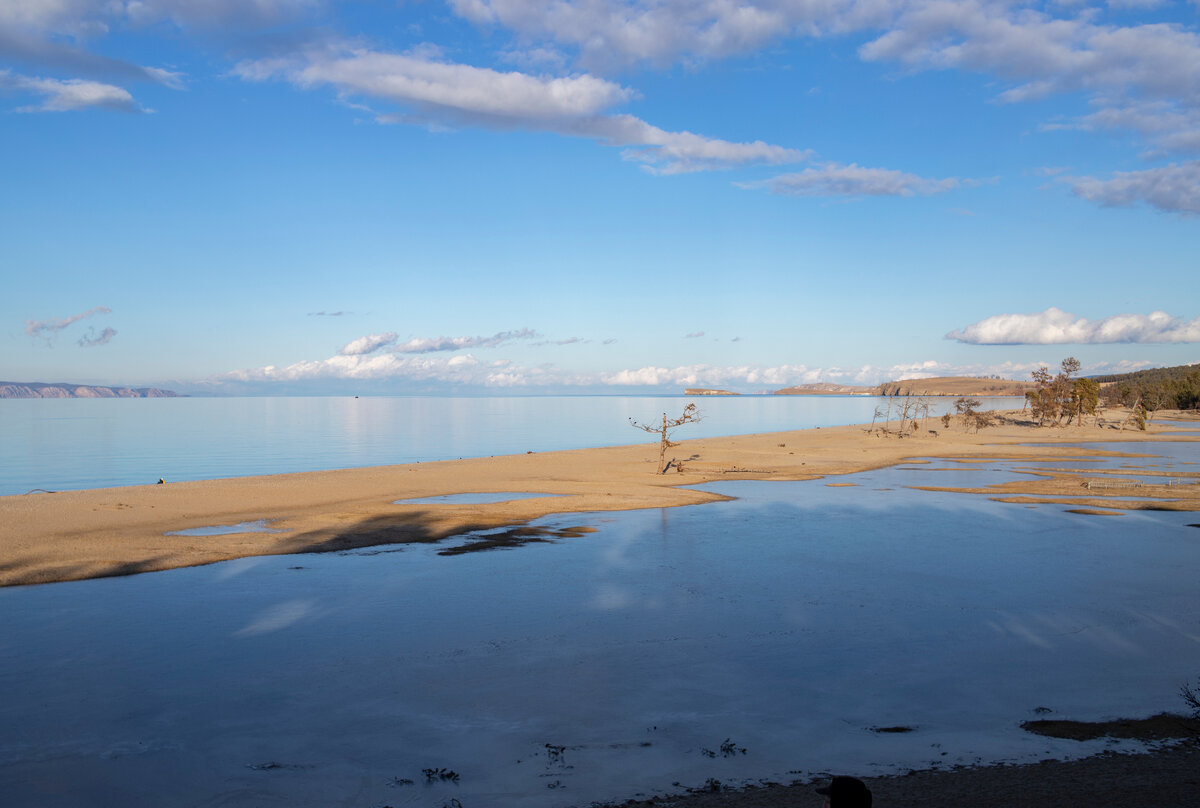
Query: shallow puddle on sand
[[790, 623], [256, 526], [471, 498]]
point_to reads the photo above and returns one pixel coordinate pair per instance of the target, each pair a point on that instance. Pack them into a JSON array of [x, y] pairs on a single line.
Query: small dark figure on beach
[[846, 792]]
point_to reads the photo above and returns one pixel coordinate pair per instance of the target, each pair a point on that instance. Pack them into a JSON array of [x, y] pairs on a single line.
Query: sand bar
[[71, 535]]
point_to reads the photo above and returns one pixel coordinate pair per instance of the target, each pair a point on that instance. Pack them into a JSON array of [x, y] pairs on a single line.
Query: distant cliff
[[61, 390], [955, 386], [828, 389], [705, 391], [945, 386]]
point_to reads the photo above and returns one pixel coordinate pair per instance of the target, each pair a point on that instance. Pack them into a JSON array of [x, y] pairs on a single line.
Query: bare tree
[[912, 409], [690, 416], [878, 414], [1191, 696]]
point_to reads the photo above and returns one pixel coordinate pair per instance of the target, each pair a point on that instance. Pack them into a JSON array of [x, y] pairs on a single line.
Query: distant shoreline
[[13, 390]]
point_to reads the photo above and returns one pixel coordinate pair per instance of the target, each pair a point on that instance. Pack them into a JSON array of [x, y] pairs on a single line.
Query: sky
[[509, 197]]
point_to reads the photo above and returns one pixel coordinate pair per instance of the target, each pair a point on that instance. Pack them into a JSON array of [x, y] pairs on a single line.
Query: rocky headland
[[65, 390]]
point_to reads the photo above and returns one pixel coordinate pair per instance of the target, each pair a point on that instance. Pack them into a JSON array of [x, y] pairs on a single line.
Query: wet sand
[[1166, 778], [72, 535]]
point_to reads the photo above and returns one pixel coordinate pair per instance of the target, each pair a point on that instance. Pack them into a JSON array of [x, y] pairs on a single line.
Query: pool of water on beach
[[763, 638]]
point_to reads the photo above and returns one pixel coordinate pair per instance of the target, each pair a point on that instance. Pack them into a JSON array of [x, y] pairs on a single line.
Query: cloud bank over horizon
[[466, 371], [1056, 327]]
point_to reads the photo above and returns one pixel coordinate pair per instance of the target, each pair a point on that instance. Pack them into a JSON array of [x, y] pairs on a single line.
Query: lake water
[[60, 444], [760, 639]]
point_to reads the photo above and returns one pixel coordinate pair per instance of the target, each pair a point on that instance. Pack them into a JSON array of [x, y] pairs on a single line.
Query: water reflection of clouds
[[277, 617], [1057, 632], [236, 567], [610, 597]]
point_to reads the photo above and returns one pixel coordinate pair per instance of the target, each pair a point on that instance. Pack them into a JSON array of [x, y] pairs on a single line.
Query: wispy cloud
[[1054, 327], [66, 95], [1172, 188], [92, 339], [694, 335], [48, 328], [833, 180], [328, 313], [423, 345], [368, 344], [373, 343], [442, 93]]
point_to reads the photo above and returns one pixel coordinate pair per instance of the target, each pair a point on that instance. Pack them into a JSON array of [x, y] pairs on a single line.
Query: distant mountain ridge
[[65, 390]]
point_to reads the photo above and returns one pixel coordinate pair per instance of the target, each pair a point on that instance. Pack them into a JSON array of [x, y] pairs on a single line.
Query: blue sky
[[517, 197]]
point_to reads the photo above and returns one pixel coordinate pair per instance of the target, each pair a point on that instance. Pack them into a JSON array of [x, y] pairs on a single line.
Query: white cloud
[[368, 344], [1054, 327], [1174, 188], [1046, 54], [72, 17], [63, 95], [1037, 49], [1145, 78], [853, 181], [665, 152], [622, 32], [89, 18], [54, 35], [446, 93], [475, 94], [213, 12], [422, 345]]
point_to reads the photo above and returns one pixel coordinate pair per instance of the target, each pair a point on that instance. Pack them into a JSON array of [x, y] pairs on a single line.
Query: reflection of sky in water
[[1106, 473], [257, 526], [791, 621]]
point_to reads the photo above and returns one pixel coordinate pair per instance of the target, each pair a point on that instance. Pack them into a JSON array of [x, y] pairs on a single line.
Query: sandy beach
[[72, 535]]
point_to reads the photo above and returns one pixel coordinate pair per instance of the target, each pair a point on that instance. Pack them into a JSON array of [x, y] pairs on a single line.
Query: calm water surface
[[58, 444], [787, 623]]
